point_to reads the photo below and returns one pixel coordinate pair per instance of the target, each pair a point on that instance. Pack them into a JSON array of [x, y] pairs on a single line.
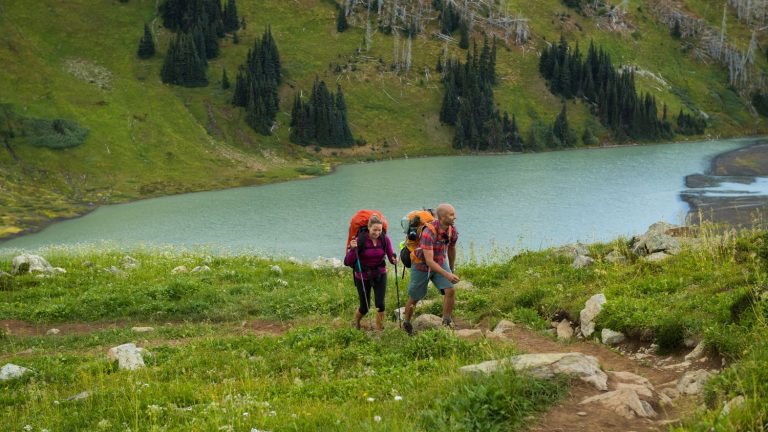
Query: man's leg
[[448, 301], [417, 288]]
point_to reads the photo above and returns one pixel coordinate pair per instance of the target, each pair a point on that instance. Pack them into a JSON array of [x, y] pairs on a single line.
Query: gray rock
[[692, 382], [400, 313], [128, 262], [732, 404], [53, 332], [572, 250], [128, 356], [691, 342], [180, 269], [587, 316], [322, 263], [276, 269], [564, 330], [58, 270], [656, 239], [26, 263], [582, 261], [656, 257], [615, 257], [670, 392], [610, 337], [576, 364], [625, 402], [142, 329], [630, 377], [503, 327], [114, 270], [11, 371], [88, 264], [80, 396], [427, 321], [201, 269], [697, 352], [464, 286]]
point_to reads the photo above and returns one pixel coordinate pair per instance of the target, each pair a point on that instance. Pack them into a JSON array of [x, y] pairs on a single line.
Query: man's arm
[[429, 258], [452, 257]]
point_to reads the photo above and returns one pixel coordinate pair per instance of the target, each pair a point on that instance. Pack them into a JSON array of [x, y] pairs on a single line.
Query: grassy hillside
[[147, 139], [243, 338]]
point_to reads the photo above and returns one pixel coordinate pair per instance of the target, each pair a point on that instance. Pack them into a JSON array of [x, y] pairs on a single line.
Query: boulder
[[503, 327], [427, 321], [615, 257], [276, 269], [587, 316], [656, 239], [180, 269], [697, 352], [656, 257], [26, 263], [582, 261], [610, 337], [585, 367], [128, 356], [732, 404], [572, 250], [201, 269], [11, 371], [692, 382], [564, 330], [322, 263], [625, 402], [128, 262]]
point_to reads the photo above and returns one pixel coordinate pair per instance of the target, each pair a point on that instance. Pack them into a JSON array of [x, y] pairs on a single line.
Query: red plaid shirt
[[437, 240]]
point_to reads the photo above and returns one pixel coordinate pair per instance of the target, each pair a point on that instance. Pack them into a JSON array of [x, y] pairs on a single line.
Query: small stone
[[201, 269], [128, 262], [692, 382], [615, 257], [79, 396], [87, 264], [681, 365], [400, 313], [11, 371], [470, 334], [114, 270], [592, 308], [427, 321], [128, 356], [564, 330], [142, 329], [503, 327], [581, 413], [610, 337], [691, 342], [179, 269], [464, 286], [276, 269], [52, 332], [697, 352], [656, 257], [582, 261], [58, 270], [732, 404]]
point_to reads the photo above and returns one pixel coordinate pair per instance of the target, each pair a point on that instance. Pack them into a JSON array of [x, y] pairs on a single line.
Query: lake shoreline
[[333, 166]]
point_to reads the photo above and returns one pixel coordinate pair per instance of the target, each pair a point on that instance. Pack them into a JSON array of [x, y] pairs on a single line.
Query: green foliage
[[690, 124], [184, 65], [760, 102], [498, 402], [54, 134], [146, 44], [322, 120], [257, 84], [230, 19]]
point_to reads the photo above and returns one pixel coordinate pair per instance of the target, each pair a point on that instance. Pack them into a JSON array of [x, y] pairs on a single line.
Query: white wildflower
[[245, 414], [27, 428], [398, 398]]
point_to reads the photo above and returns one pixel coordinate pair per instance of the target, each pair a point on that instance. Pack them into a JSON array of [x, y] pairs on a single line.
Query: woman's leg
[[380, 292], [363, 294]]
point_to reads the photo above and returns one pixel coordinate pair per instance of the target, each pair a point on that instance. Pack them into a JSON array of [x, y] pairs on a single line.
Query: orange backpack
[[359, 224], [413, 225]]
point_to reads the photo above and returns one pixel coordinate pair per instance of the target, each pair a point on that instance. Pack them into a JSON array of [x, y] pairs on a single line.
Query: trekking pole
[[362, 279], [397, 290]]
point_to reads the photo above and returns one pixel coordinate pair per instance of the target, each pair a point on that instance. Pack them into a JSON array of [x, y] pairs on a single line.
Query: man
[[437, 242]]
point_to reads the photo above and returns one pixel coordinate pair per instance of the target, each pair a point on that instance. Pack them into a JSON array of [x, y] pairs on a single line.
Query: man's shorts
[[417, 287]]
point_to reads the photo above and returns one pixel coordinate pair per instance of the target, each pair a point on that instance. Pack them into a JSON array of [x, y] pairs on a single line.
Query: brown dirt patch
[[25, 329]]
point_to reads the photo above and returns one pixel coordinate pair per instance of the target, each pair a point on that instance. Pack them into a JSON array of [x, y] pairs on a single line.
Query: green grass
[[324, 373], [148, 139]]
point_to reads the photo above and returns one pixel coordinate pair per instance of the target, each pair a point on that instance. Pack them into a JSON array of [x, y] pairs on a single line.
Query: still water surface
[[511, 201]]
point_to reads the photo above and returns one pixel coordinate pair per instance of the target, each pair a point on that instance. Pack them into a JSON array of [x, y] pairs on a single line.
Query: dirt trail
[[595, 417]]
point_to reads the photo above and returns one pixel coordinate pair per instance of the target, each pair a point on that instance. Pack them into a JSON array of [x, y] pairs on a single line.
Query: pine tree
[[230, 18], [464, 35], [341, 20], [676, 31], [146, 44], [183, 66], [561, 129], [224, 79]]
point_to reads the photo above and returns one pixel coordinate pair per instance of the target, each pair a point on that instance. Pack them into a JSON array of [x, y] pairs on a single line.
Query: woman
[[374, 247]]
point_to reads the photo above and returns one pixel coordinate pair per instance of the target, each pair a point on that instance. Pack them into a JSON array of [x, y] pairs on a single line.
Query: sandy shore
[[736, 166]]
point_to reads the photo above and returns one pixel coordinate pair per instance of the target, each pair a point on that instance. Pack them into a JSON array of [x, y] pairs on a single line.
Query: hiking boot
[[447, 322], [408, 327]]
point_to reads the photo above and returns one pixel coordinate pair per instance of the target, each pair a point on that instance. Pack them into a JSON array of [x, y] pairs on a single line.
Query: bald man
[[437, 242]]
